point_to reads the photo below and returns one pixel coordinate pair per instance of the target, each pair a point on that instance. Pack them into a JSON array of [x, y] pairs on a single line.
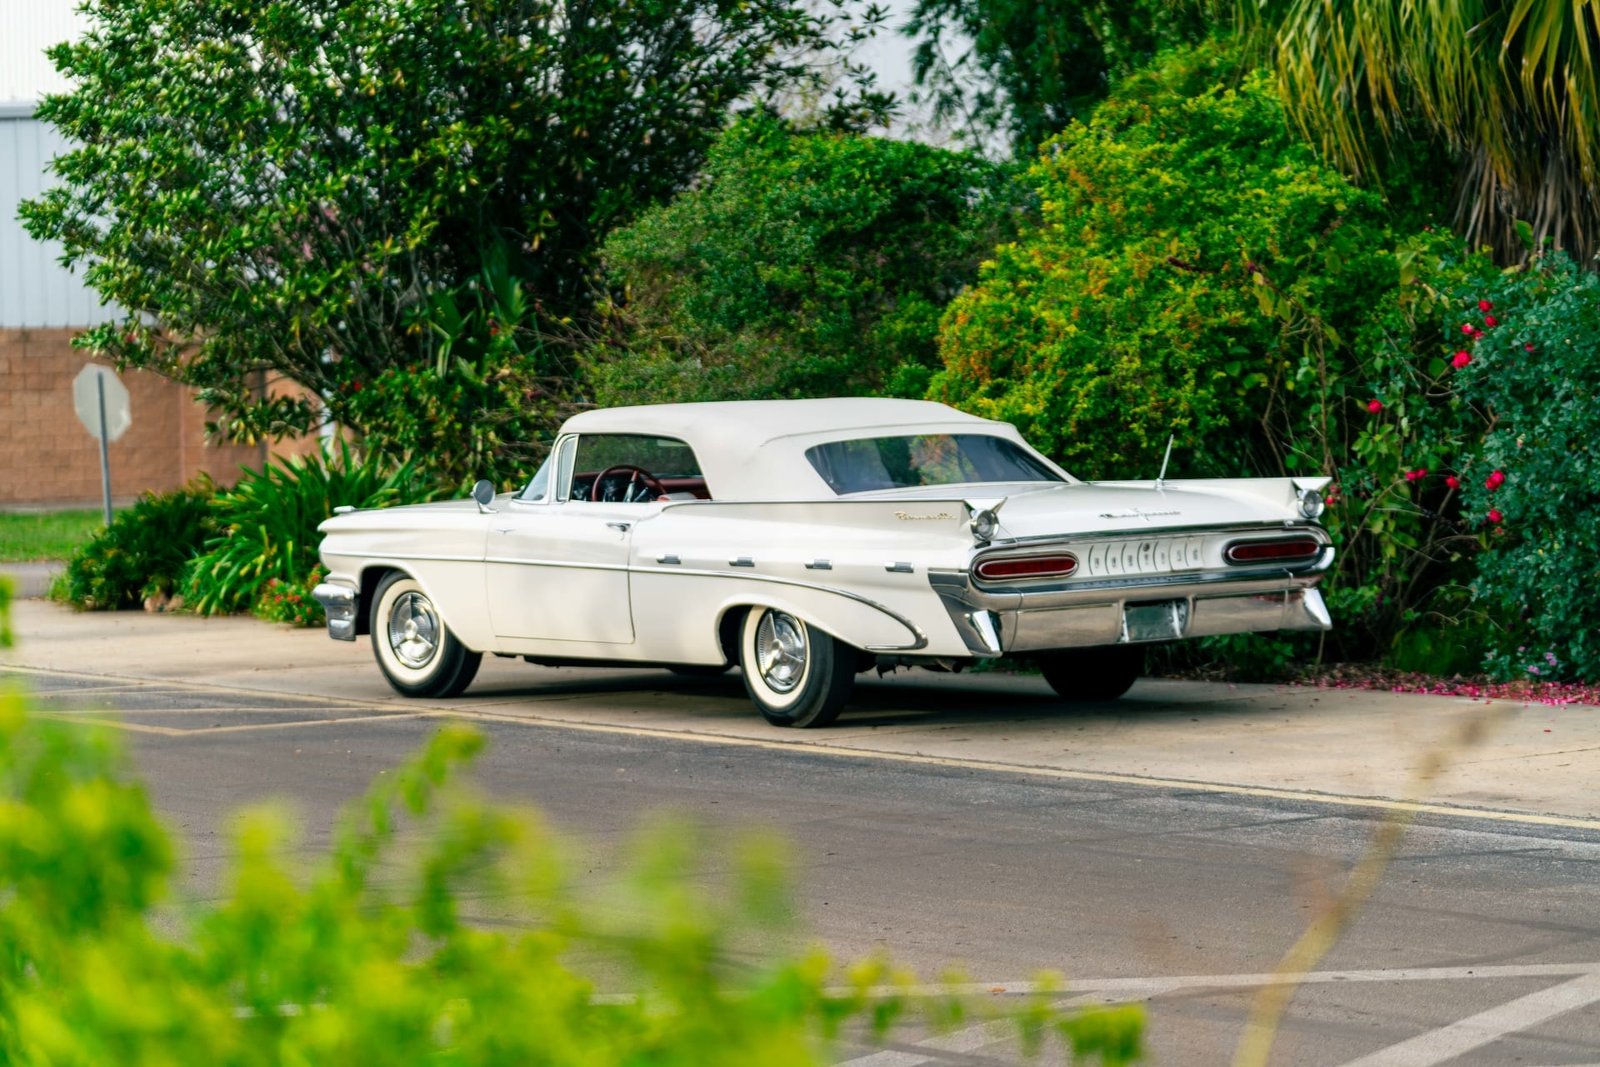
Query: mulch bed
[[1527, 691]]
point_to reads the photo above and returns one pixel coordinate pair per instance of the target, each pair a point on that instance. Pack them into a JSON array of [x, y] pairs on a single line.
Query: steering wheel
[[636, 476]]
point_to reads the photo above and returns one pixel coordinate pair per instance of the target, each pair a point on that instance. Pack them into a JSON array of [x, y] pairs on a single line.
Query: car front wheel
[[1083, 674], [795, 674], [415, 649]]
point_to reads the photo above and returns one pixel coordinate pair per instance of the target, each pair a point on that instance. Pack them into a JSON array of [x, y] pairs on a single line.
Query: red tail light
[[1284, 550], [1027, 567]]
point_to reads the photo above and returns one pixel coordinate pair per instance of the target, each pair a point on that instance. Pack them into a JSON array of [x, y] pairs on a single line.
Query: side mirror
[[483, 493]]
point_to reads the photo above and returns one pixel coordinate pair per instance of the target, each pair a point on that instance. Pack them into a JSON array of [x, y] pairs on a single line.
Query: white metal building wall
[[35, 290], [31, 26]]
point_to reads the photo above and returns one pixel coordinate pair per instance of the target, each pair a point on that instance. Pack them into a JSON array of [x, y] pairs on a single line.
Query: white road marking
[[1124, 990], [1486, 1027], [970, 1039], [1429, 1049]]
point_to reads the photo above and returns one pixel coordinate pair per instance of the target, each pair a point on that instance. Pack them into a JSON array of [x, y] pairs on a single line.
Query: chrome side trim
[[369, 560], [920, 639], [820, 565], [741, 561], [552, 563], [340, 603]]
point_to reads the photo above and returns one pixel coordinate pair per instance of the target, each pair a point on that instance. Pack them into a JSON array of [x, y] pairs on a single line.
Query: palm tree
[[1510, 86]]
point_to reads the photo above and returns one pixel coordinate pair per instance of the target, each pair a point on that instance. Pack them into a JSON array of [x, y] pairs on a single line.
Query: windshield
[[925, 459]]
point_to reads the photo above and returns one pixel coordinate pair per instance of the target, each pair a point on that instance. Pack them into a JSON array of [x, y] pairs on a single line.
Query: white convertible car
[[804, 541]]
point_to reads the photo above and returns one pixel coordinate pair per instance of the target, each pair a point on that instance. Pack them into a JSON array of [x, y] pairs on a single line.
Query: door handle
[[622, 527]]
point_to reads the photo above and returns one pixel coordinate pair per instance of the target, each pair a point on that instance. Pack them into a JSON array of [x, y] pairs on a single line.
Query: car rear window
[[869, 463]]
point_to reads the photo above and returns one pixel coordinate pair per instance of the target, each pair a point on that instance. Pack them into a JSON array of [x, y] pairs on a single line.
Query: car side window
[[539, 487], [628, 468]]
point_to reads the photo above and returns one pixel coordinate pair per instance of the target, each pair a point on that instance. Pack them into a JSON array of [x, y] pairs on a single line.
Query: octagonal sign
[[86, 393]]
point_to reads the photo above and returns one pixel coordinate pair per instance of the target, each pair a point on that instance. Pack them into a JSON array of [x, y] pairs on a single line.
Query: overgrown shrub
[[371, 960], [1531, 493], [267, 525], [143, 552], [1187, 242], [803, 264]]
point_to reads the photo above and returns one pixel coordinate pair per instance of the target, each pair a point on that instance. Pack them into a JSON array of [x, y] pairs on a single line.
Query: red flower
[[1484, 305], [1495, 516], [1490, 320], [1453, 482], [1374, 406], [1417, 475], [1495, 480], [1467, 328], [1461, 359], [1528, 347], [1476, 334]]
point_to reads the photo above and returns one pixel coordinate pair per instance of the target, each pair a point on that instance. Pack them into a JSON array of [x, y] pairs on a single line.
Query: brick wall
[[47, 457]]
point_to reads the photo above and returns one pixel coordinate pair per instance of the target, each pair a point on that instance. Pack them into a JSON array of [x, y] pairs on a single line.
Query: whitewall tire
[[796, 674], [415, 649]]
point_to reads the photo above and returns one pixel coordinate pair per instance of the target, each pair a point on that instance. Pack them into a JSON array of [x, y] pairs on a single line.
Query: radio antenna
[[1161, 479]]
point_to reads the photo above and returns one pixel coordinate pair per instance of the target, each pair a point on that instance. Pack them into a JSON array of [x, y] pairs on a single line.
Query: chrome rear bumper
[[1165, 609]]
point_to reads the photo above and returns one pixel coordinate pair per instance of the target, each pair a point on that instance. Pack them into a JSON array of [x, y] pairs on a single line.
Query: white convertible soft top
[[755, 449]]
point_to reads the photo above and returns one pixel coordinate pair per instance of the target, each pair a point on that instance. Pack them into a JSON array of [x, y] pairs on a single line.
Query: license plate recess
[[1159, 620]]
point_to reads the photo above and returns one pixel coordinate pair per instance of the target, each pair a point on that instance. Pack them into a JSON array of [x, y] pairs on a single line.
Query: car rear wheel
[[1084, 674], [795, 674], [415, 649]]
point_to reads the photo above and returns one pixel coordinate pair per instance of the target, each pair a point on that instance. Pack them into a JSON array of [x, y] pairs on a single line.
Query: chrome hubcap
[[781, 651], [413, 630]]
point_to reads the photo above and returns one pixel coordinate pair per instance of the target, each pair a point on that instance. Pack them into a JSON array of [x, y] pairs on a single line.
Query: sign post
[[101, 401]]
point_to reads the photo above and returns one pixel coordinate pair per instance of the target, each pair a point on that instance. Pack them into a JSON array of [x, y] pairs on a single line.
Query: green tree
[[282, 191], [1024, 69], [1196, 271], [1511, 86], [801, 264]]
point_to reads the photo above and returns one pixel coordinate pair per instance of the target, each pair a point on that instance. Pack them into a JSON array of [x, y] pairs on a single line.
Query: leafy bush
[[1531, 493], [1188, 254], [268, 524], [372, 962], [490, 402], [143, 552], [800, 265]]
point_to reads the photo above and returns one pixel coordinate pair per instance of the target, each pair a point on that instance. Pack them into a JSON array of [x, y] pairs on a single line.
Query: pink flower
[[1461, 359], [1528, 347], [1484, 305], [1374, 406], [1467, 328], [1490, 320], [1417, 475], [1495, 516], [1495, 480], [1453, 482]]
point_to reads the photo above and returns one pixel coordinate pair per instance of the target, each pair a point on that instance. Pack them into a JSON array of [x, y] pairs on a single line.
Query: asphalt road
[[1481, 945]]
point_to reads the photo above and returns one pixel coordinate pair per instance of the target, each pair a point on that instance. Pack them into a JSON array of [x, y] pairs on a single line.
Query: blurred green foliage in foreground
[[370, 960]]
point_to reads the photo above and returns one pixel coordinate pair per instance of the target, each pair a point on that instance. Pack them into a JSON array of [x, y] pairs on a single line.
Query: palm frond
[[1510, 85]]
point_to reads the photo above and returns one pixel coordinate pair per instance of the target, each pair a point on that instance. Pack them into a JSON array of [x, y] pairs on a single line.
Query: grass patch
[[46, 534]]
